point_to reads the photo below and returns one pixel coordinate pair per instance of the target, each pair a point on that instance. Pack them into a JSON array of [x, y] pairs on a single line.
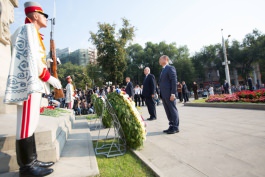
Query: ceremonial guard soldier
[[28, 79], [70, 95]]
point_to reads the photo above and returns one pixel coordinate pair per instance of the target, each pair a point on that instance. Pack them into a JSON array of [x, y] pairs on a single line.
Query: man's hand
[[153, 95], [172, 97]]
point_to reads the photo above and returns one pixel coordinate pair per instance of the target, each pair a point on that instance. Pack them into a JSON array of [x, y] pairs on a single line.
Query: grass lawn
[[201, 100], [128, 165], [92, 116]]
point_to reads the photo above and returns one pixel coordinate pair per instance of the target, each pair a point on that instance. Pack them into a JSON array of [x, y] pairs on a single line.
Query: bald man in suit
[[168, 85]]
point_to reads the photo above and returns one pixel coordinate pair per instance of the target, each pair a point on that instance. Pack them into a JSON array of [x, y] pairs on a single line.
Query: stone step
[[77, 158], [8, 159], [50, 136], [9, 143]]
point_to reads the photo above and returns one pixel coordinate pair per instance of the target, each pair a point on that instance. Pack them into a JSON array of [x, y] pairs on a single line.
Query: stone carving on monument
[[6, 18]]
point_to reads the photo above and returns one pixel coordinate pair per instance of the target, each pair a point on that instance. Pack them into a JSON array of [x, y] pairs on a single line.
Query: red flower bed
[[223, 98], [257, 96], [251, 94]]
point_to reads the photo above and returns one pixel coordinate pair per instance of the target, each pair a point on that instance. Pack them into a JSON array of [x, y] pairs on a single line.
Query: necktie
[[145, 77], [161, 73]]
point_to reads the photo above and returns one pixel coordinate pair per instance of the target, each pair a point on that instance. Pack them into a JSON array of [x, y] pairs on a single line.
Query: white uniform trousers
[[28, 116], [71, 104]]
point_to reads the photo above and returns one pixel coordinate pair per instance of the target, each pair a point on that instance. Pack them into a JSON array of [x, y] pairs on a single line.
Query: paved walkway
[[78, 158], [212, 142]]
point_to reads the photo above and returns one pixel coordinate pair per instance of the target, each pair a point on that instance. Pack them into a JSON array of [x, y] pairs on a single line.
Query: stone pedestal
[[6, 18]]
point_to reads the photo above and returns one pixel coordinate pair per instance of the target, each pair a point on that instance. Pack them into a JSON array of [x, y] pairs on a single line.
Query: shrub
[[257, 96]]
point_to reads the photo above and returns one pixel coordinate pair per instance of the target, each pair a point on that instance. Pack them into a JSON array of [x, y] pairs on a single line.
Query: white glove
[[54, 82], [49, 61]]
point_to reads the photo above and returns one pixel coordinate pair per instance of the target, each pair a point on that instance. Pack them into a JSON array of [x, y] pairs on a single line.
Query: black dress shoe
[[165, 131], [151, 119], [34, 171], [172, 131], [43, 164]]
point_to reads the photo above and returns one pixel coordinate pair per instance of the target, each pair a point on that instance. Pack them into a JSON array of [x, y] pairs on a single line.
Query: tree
[[135, 58], [242, 56], [209, 59], [111, 49], [253, 51], [77, 73], [95, 74], [149, 57], [185, 71]]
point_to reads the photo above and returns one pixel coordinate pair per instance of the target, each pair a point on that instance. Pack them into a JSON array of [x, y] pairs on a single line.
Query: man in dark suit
[[149, 88], [250, 85], [168, 85], [129, 87], [226, 87]]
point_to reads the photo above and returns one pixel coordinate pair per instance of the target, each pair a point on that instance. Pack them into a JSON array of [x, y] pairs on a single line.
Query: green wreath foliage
[[106, 119], [98, 105], [129, 118], [131, 123], [93, 98]]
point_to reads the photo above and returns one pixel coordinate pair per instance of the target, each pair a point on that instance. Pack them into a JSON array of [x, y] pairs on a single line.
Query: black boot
[[37, 162], [26, 159]]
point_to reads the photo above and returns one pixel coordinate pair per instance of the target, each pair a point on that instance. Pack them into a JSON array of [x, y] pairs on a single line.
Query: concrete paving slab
[[78, 158], [212, 142]]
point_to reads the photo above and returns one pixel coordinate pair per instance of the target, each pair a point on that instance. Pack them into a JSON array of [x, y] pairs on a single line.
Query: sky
[[195, 23]]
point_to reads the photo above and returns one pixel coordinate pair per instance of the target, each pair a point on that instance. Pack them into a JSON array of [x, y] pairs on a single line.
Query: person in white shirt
[[141, 96], [137, 93], [211, 92]]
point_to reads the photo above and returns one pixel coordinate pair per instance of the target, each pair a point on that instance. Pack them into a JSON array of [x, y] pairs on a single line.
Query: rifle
[[58, 93]]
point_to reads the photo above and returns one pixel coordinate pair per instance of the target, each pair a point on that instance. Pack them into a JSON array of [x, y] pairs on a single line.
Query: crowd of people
[[83, 105]]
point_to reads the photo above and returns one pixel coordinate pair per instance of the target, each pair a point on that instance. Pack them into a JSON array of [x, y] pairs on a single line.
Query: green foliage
[[185, 71], [149, 57], [111, 49], [242, 56], [211, 58], [98, 105], [95, 74], [80, 79], [252, 52], [93, 98], [107, 119], [128, 120], [53, 112]]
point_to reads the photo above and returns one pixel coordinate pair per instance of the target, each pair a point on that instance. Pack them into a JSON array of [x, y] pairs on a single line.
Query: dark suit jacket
[[185, 88], [129, 89], [168, 82], [149, 86]]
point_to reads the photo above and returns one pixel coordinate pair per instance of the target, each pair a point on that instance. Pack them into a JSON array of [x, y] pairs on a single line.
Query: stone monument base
[[50, 135]]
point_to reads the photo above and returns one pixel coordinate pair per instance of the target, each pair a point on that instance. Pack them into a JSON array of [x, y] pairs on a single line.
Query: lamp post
[[225, 63]]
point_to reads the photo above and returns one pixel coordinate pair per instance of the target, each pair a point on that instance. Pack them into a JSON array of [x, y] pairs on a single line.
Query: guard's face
[[42, 20]]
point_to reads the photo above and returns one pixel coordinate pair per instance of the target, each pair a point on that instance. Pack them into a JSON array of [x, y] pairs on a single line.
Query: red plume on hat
[[33, 7]]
